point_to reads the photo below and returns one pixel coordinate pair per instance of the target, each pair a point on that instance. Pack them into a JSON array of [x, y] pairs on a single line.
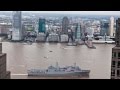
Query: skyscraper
[[111, 27], [70, 35], [65, 25], [104, 28], [78, 31], [90, 31], [17, 26], [115, 64], [41, 27]]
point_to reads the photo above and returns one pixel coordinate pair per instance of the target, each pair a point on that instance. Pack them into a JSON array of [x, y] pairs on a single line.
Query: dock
[[89, 44], [102, 42], [71, 44]]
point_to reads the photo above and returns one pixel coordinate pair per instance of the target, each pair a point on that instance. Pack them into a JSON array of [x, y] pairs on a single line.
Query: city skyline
[[38, 40], [75, 12]]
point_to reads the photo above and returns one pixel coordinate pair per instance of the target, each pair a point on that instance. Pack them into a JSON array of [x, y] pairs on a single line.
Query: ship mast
[[57, 65]]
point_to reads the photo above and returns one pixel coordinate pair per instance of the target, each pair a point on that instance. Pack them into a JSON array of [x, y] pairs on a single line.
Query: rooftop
[[116, 47]]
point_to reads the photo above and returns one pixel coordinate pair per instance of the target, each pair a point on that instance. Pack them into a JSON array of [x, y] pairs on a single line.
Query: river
[[22, 56]]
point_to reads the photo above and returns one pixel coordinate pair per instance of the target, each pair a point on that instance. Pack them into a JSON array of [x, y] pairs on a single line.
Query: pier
[[89, 44], [103, 42]]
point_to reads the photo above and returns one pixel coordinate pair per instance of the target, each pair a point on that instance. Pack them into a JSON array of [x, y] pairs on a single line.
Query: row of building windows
[[114, 63], [115, 70], [114, 55], [113, 73], [117, 37]]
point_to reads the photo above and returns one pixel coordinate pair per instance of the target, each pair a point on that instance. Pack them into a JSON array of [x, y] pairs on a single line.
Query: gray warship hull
[[84, 73], [68, 71]]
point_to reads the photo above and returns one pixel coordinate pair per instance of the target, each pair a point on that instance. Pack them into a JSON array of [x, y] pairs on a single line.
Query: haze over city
[[80, 12], [75, 12]]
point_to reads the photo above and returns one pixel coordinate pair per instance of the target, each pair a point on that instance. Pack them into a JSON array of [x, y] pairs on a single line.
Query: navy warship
[[68, 71]]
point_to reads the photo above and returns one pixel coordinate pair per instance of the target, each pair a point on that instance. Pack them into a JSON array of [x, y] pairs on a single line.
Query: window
[[118, 73], [112, 77], [113, 73], [118, 64], [114, 54], [119, 55], [117, 34], [117, 42], [113, 63]]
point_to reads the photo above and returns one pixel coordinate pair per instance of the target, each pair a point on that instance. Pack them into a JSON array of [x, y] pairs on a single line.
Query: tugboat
[[68, 71]]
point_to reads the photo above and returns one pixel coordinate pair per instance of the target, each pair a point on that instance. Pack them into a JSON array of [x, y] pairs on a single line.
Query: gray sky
[[77, 12], [81, 12]]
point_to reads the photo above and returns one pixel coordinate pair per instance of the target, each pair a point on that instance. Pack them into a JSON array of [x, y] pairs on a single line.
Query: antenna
[[56, 64]]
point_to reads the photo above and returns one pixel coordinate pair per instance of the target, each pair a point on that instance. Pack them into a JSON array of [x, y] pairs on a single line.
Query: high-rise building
[[41, 27], [65, 25], [17, 26], [78, 31], [111, 27], [4, 74], [4, 28], [79, 35], [115, 64], [104, 28], [90, 31], [70, 36]]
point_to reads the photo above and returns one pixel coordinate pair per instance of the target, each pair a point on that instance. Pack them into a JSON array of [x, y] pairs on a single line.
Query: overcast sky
[[82, 12], [79, 12]]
